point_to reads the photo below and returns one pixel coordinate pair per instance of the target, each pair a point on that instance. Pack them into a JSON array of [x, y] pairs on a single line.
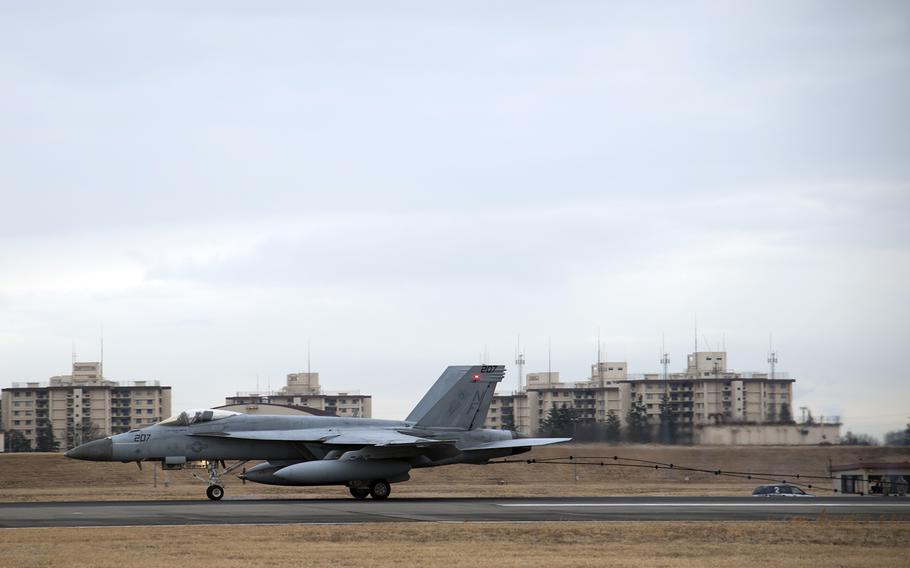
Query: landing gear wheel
[[359, 492], [215, 492], [380, 489]]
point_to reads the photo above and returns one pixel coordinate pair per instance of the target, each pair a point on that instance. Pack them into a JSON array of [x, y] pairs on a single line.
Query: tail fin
[[460, 398]]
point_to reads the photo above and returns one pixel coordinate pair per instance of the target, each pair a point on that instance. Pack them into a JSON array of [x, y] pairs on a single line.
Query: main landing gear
[[378, 489], [215, 489]]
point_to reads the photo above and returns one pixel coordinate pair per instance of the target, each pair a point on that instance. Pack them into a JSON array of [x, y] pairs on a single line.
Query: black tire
[[215, 492], [380, 489], [359, 492]]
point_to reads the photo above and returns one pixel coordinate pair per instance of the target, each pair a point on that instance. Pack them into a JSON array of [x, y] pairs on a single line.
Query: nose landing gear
[[215, 492], [215, 489]]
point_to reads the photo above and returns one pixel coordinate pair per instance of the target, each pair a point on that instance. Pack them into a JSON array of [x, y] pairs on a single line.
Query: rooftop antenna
[[520, 361], [101, 356], [772, 356], [665, 361], [549, 361], [696, 345], [308, 358], [600, 371], [723, 342], [74, 354]]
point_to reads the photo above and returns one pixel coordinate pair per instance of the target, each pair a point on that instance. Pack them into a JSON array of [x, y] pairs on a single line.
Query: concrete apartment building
[[303, 390], [706, 399], [83, 405]]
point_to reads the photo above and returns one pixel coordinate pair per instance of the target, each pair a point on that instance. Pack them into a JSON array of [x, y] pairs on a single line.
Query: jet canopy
[[197, 416]]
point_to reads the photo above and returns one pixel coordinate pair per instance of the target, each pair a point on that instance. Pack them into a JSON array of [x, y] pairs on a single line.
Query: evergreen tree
[[668, 433], [508, 422], [637, 423], [44, 437], [17, 442], [851, 439], [559, 423], [785, 416], [612, 428], [898, 437]]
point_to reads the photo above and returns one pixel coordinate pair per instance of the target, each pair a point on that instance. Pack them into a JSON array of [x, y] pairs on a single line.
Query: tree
[[612, 428], [785, 417], [44, 437], [668, 426], [508, 421], [17, 442], [637, 423], [898, 437], [851, 439], [86, 432], [559, 423]]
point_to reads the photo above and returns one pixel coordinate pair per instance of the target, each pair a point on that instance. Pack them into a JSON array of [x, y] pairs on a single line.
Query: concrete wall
[[767, 434]]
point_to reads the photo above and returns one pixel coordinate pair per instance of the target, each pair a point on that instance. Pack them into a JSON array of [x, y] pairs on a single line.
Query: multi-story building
[[83, 406], [303, 390], [707, 392]]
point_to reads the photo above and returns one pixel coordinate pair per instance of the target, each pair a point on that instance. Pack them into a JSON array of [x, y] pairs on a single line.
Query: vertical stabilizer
[[460, 398]]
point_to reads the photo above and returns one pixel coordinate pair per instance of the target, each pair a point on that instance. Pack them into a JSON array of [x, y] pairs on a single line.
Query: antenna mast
[[665, 361], [772, 356], [696, 345], [520, 361], [549, 361]]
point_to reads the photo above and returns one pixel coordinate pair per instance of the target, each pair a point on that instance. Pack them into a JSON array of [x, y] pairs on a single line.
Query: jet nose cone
[[98, 450]]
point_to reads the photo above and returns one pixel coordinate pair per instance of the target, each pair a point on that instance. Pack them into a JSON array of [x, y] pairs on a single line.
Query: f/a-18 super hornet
[[363, 454]]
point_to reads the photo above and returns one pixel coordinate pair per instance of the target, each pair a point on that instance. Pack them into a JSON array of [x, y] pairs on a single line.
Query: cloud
[[410, 185]]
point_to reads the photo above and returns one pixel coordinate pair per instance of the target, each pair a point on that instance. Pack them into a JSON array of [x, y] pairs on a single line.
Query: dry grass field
[[50, 477], [683, 545]]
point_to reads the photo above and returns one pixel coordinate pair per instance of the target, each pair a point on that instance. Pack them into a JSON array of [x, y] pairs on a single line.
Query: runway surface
[[331, 511]]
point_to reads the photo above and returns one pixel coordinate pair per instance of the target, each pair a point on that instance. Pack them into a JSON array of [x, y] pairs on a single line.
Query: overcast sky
[[408, 185]]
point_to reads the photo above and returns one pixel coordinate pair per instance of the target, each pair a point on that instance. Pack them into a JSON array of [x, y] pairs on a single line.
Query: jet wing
[[516, 443], [382, 438], [345, 437]]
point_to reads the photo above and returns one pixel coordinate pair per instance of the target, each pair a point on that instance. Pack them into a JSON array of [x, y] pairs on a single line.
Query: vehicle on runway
[[364, 454], [780, 490]]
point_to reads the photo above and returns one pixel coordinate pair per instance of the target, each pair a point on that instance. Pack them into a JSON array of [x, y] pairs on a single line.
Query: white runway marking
[[740, 505]]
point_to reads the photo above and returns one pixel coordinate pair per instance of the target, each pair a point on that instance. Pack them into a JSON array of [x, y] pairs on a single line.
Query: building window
[[851, 483]]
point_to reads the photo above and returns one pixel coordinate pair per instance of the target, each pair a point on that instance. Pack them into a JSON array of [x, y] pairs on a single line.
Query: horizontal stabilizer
[[516, 443]]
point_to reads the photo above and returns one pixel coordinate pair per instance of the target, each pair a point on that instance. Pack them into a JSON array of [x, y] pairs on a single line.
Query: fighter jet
[[363, 454]]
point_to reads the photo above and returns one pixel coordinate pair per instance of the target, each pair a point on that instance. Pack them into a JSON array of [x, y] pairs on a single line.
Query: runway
[[344, 511]]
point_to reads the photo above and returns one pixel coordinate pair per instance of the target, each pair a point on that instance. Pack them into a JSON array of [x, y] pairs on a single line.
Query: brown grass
[[690, 544], [51, 477]]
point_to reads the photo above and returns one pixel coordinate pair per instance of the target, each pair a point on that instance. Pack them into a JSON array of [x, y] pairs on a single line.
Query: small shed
[[871, 478]]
